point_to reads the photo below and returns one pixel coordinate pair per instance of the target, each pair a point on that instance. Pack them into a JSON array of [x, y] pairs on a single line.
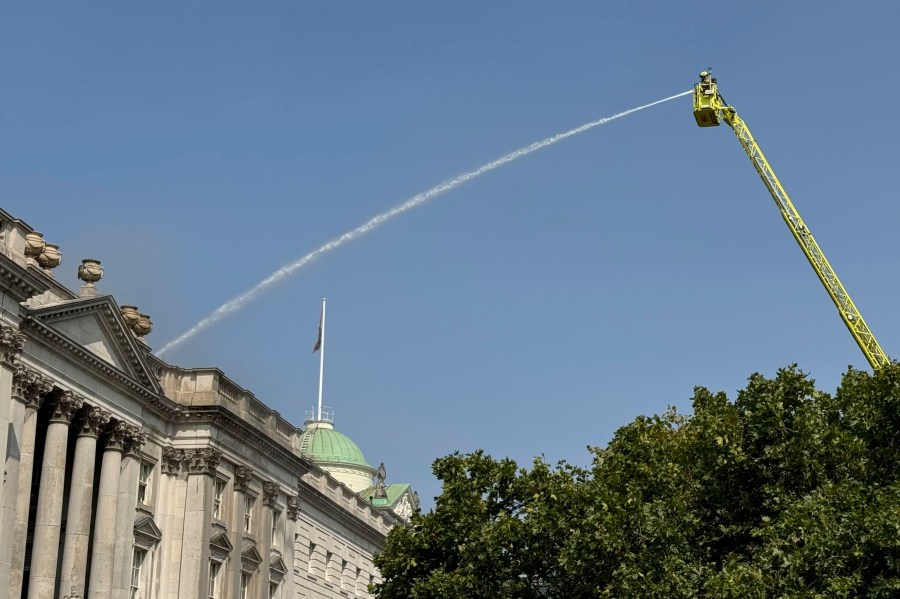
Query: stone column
[[29, 387], [128, 482], [104, 544], [81, 492], [201, 468], [48, 518], [12, 342]]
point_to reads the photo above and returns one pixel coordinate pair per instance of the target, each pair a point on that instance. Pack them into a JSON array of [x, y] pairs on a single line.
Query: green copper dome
[[324, 445]]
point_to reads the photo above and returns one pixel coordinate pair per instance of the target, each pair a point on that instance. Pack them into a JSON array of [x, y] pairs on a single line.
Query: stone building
[[127, 477]]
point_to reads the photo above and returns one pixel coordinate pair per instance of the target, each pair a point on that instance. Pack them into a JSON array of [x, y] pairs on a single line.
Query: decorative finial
[[90, 272]]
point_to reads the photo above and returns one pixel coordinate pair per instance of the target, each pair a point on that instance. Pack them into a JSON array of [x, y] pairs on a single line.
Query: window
[[137, 560], [144, 477], [218, 494], [246, 585], [276, 522], [248, 513], [214, 568]]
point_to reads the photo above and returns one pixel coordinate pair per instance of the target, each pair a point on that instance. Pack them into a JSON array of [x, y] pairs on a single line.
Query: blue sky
[[195, 147]]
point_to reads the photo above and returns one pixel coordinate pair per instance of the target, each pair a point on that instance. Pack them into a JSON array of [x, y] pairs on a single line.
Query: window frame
[[145, 485], [249, 508], [136, 570], [219, 497]]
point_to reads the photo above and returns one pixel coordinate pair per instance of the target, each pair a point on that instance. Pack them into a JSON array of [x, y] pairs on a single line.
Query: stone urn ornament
[[90, 272], [143, 327], [131, 316], [34, 246], [50, 257]]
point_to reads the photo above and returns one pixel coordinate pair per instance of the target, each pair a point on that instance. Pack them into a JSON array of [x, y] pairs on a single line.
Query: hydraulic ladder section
[[709, 110]]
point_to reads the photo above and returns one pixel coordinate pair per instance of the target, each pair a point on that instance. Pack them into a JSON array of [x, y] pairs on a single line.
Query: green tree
[[784, 492]]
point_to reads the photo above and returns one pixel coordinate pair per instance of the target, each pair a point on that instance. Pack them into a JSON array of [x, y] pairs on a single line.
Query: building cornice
[[233, 423], [21, 283], [313, 496]]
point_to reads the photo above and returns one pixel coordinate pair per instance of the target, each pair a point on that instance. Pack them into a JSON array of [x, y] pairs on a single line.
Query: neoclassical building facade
[[126, 477]]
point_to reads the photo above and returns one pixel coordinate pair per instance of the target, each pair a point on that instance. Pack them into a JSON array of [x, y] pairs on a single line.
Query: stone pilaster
[[104, 544], [81, 491], [201, 469], [48, 518], [242, 477], [172, 489], [126, 514], [29, 388]]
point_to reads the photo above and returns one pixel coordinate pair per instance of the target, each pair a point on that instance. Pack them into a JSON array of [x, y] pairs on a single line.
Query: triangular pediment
[[250, 558], [219, 545], [95, 325], [146, 533], [278, 566]]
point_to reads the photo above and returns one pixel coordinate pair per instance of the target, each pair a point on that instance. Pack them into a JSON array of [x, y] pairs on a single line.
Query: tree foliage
[[784, 492]]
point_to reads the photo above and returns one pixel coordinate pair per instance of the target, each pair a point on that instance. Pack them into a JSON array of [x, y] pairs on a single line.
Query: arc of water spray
[[240, 301]]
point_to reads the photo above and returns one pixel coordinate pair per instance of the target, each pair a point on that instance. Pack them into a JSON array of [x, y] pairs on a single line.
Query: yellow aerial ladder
[[709, 110]]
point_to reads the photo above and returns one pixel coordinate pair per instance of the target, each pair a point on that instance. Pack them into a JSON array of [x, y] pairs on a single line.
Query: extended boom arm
[[709, 110]]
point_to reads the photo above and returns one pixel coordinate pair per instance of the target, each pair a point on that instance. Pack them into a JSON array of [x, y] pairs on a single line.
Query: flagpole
[[321, 361]]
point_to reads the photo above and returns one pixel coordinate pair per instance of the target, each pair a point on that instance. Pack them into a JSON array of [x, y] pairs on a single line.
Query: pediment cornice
[[104, 308]]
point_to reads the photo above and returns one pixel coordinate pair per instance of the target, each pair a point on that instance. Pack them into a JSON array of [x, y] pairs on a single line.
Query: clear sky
[[195, 147]]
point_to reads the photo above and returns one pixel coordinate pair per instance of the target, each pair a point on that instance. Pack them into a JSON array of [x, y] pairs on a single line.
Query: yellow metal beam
[[710, 109]]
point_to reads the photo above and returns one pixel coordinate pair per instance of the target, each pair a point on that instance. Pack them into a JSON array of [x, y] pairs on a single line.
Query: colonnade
[[68, 415]]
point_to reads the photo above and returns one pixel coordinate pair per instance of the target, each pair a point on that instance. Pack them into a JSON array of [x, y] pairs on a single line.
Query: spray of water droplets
[[240, 301]]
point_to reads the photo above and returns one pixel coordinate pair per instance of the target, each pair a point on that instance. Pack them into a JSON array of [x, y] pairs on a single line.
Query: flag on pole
[[318, 345]]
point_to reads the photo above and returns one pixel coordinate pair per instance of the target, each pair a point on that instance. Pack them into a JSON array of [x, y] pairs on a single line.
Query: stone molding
[[293, 507], [115, 439], [242, 475], [30, 386], [12, 342], [270, 493], [64, 406], [202, 461], [93, 421]]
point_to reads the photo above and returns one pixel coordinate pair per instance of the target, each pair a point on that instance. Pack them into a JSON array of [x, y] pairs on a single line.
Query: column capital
[[242, 476], [115, 436], [93, 421], [171, 460], [12, 342], [135, 438], [270, 493], [293, 507], [64, 407], [29, 386], [202, 461]]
